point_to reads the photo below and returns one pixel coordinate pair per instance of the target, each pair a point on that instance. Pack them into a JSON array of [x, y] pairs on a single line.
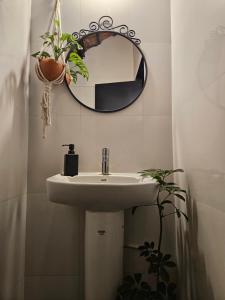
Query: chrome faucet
[[105, 161]]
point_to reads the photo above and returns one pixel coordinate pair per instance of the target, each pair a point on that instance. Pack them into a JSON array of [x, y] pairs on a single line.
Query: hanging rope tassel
[[46, 107], [46, 97]]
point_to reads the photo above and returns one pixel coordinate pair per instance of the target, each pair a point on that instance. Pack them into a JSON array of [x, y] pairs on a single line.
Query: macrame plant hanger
[[46, 96]]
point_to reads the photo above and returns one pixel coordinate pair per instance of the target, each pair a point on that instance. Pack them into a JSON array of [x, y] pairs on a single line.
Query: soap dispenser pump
[[70, 161]]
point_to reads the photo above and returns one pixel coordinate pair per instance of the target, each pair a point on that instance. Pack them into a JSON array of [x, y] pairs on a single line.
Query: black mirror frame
[[105, 24]]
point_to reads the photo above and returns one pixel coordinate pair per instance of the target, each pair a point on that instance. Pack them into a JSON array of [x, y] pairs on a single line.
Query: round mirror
[[117, 72]]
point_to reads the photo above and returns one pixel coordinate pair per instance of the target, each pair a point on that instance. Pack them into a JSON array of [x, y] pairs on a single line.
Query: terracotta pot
[[50, 68]]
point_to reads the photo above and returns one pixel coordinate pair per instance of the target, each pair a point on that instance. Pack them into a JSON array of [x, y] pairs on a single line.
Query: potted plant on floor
[[160, 286]]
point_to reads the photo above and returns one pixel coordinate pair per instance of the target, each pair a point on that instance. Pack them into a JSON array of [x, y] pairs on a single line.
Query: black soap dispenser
[[70, 161]]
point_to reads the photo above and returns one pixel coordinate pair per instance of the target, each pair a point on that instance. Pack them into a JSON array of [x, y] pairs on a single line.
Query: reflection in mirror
[[117, 72]]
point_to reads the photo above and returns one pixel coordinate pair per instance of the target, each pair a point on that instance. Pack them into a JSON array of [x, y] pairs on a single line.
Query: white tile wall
[[138, 137], [157, 145], [157, 93], [46, 253], [151, 19], [46, 158]]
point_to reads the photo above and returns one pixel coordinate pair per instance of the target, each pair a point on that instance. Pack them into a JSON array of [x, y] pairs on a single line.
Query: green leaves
[[35, 54], [178, 213], [166, 257], [159, 174], [166, 202], [172, 190], [45, 36], [41, 54], [179, 196], [77, 67], [66, 37], [133, 288], [159, 264]]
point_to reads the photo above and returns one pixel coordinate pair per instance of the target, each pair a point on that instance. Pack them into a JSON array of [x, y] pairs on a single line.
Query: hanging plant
[[52, 64], [51, 67]]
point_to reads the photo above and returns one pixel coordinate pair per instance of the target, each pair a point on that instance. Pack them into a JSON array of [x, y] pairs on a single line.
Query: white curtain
[[198, 76]]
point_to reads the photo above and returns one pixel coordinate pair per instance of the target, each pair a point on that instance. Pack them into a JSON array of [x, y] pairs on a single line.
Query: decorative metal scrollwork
[[105, 23]]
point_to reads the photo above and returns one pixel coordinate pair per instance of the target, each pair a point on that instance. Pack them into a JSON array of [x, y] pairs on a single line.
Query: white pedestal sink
[[104, 197]]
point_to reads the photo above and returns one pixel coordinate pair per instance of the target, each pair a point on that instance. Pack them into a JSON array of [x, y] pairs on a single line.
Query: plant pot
[[50, 68]]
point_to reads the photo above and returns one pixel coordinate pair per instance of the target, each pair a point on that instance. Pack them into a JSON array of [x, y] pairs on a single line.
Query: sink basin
[[97, 192]]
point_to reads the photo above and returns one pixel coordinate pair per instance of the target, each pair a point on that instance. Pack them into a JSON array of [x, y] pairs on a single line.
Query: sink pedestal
[[104, 237], [104, 197]]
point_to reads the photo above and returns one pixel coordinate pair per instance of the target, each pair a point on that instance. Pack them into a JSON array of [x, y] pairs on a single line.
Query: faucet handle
[[105, 161], [105, 152]]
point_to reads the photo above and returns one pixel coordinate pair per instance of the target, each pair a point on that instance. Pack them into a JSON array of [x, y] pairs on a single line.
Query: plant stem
[[160, 229], [160, 236]]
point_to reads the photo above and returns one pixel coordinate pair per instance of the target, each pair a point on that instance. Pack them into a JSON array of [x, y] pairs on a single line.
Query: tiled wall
[[14, 62], [198, 60], [139, 137]]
